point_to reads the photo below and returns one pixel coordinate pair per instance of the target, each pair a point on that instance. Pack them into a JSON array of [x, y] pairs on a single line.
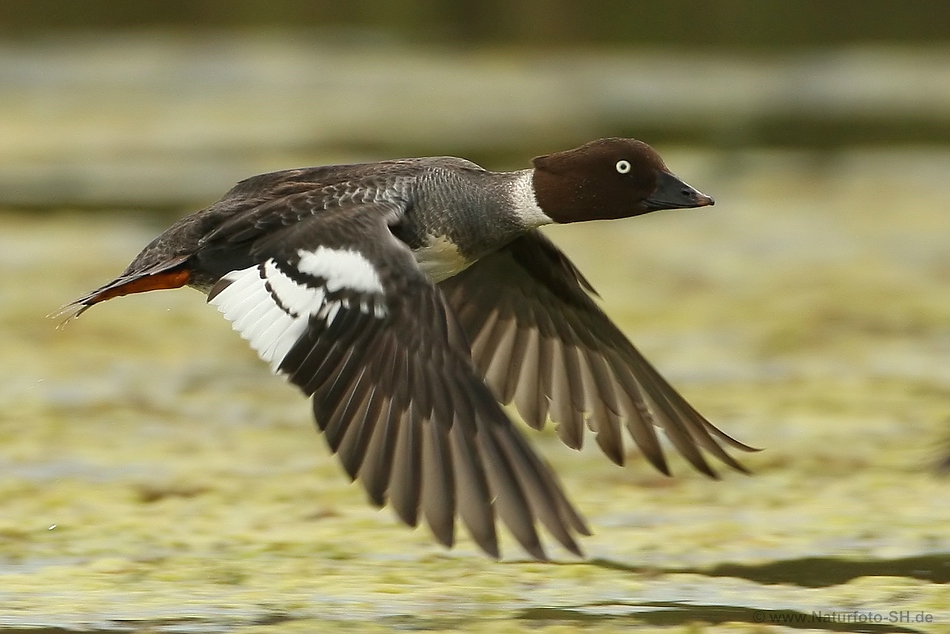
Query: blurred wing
[[540, 340], [339, 306]]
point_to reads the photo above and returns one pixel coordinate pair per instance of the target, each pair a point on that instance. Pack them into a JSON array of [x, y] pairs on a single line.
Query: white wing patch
[[341, 268], [272, 311]]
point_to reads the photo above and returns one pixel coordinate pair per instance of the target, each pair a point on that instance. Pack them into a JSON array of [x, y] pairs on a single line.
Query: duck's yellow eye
[[623, 166]]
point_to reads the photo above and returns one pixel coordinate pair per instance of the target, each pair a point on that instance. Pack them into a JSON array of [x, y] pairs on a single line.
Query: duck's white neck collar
[[524, 203]]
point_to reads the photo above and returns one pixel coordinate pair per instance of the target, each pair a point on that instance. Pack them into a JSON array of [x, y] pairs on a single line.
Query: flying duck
[[410, 299]]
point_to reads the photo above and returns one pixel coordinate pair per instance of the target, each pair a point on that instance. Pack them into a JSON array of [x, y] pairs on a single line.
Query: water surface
[[155, 476]]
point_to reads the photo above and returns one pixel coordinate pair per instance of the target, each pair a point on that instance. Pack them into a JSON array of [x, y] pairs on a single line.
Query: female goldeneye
[[411, 297]]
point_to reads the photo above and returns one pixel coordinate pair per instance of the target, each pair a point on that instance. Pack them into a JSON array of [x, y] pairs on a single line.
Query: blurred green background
[[162, 105], [155, 477], [732, 24]]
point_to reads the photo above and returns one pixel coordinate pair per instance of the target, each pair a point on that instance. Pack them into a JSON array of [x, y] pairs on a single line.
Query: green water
[[168, 121], [155, 477]]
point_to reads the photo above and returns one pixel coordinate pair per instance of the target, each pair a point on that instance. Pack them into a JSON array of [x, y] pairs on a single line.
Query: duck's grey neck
[[477, 210], [460, 216]]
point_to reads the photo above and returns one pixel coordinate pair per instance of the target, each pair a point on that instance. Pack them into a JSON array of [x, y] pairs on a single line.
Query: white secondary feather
[[296, 298], [272, 311], [272, 326], [341, 268]]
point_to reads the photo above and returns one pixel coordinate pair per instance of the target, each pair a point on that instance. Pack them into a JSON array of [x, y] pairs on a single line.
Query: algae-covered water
[[154, 476]]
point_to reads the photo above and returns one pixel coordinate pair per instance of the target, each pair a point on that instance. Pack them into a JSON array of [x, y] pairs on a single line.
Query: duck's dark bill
[[672, 193]]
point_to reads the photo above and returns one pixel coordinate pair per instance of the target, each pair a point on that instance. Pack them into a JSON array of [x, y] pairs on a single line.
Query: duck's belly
[[440, 259]]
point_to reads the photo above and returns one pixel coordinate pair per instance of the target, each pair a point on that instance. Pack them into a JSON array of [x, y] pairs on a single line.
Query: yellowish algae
[[155, 477]]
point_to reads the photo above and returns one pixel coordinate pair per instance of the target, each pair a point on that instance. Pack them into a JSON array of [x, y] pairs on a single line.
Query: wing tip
[[536, 550]]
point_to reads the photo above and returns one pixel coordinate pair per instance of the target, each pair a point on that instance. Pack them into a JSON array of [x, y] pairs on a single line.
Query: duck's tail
[[172, 273]]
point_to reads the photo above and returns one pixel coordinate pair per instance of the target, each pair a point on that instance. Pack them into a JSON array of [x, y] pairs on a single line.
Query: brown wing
[[540, 341], [353, 322]]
